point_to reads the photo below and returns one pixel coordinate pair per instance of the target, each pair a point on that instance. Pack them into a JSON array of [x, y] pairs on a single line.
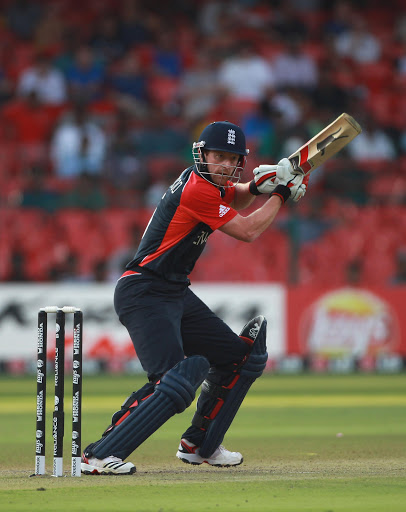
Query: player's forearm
[[249, 228], [259, 220], [243, 197]]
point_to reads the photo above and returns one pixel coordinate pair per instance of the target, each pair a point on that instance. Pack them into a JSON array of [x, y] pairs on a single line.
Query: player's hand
[[286, 177], [264, 179], [301, 191], [284, 171]]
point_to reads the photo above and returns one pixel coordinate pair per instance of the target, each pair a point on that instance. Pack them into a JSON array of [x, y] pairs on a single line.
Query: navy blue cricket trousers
[[167, 321]]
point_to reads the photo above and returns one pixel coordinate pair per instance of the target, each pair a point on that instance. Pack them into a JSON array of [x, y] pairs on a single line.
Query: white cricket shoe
[[108, 466], [189, 453]]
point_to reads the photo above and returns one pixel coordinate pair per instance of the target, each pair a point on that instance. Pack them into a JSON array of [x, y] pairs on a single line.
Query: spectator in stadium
[[36, 192], [22, 18], [119, 259], [328, 95], [28, 121], [260, 129], [122, 167], [399, 278], [136, 23], [64, 59], [86, 75], [86, 193], [402, 142], [158, 136], [99, 272], [199, 89], [348, 182], [127, 83], [400, 28], [400, 64], [353, 272], [339, 21], [106, 41], [305, 68], [285, 106], [373, 143], [18, 267], [214, 16], [66, 268], [6, 88], [47, 81], [358, 43], [307, 227], [49, 31], [288, 22], [245, 75], [78, 144], [167, 58]]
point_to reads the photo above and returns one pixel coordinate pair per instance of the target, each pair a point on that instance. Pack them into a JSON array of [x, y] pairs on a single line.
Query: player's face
[[221, 165]]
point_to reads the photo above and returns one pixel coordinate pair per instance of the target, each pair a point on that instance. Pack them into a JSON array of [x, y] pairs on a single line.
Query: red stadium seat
[[376, 76]]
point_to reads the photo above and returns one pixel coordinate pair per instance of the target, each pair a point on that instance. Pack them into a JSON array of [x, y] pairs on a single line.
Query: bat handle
[[295, 167]]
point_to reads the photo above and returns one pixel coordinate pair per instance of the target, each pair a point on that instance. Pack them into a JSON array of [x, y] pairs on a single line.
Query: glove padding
[[286, 177], [264, 178], [267, 177], [301, 191], [284, 171], [297, 183]]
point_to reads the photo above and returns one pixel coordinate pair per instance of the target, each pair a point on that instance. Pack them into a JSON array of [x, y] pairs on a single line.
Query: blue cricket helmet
[[221, 136]]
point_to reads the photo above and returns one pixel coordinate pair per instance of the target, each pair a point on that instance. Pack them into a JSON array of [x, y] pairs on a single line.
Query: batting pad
[[249, 372], [172, 395]]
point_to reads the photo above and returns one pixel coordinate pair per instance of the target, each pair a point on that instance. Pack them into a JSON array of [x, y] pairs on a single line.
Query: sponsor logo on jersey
[[223, 210]]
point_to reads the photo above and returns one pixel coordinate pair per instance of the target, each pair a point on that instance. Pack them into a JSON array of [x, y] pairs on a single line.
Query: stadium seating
[[371, 233]]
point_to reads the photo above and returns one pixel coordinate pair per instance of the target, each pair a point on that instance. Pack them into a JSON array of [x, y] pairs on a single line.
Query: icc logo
[[75, 434], [76, 364], [38, 434], [40, 363], [56, 400]]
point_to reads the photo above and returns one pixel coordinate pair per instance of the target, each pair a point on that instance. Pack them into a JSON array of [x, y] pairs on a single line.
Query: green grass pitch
[[286, 429]]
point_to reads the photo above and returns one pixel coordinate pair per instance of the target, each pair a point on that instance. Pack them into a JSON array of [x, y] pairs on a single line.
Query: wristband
[[282, 191], [253, 189]]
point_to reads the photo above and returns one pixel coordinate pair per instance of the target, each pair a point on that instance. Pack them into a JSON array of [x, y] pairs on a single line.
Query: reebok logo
[[231, 137], [223, 210]]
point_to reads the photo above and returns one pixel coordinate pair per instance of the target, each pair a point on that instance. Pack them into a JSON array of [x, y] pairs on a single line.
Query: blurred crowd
[[100, 102]]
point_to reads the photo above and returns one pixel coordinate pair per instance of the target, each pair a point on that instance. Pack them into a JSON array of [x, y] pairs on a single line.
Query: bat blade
[[325, 144]]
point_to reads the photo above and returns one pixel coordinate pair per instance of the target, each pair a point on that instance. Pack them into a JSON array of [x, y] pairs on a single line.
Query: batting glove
[[264, 180], [301, 191], [284, 171], [288, 183]]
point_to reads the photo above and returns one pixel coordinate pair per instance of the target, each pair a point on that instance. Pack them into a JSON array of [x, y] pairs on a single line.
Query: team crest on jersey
[[231, 137], [223, 210]]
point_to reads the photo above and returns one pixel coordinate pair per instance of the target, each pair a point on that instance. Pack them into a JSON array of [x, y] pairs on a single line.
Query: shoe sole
[[186, 461], [100, 472]]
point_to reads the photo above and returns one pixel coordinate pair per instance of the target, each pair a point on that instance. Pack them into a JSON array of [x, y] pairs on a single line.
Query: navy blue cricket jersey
[[191, 209]]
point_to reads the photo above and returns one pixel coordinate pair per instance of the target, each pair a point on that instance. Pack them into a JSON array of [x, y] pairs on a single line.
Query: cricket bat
[[325, 144]]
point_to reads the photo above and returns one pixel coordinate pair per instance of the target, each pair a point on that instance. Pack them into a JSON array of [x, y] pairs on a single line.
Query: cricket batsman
[[180, 342]]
